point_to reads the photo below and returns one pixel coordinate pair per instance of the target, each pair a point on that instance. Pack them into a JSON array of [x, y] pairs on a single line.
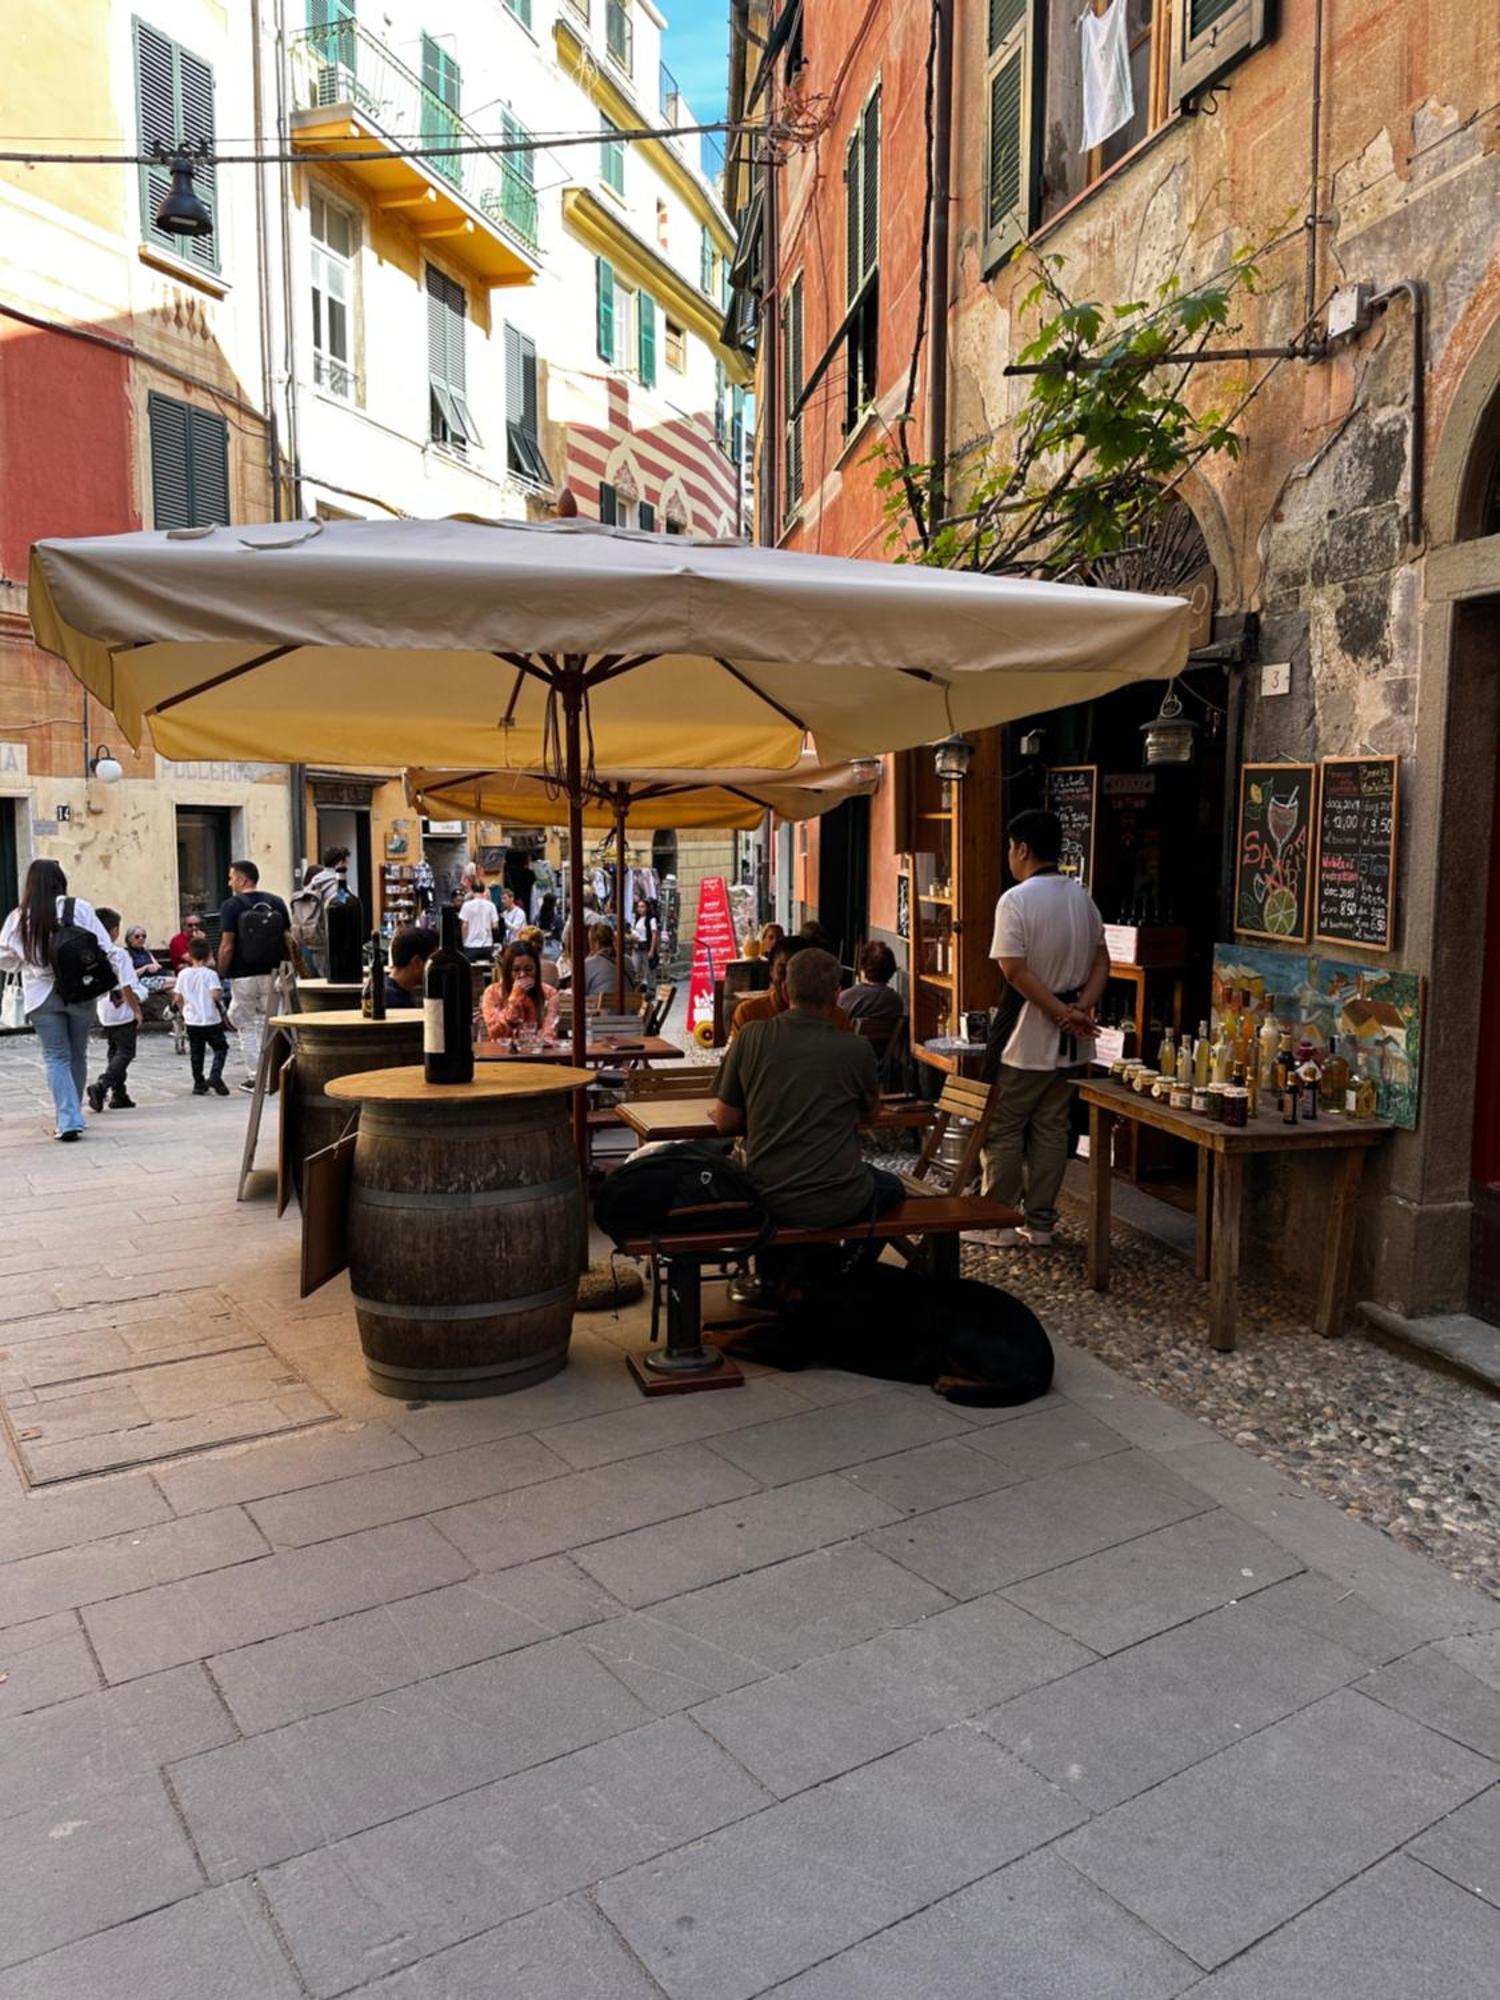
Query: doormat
[[184, 1372]]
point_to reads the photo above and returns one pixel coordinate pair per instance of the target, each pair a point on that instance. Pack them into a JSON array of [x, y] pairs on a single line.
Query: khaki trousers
[[1026, 1152]]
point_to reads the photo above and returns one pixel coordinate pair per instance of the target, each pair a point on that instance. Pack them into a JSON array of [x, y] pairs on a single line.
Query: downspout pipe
[[1315, 172], [1413, 530], [942, 202]]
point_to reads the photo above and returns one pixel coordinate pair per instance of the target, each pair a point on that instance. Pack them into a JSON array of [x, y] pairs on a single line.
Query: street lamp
[[953, 756], [183, 212], [1169, 738], [106, 767], [865, 770]]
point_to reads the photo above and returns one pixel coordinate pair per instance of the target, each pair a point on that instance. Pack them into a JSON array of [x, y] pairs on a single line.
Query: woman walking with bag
[[61, 951]]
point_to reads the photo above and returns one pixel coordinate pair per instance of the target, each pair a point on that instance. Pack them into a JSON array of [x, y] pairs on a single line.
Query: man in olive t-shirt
[[799, 1090]]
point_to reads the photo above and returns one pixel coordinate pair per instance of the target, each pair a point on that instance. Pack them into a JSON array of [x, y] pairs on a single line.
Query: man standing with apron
[[1049, 944]]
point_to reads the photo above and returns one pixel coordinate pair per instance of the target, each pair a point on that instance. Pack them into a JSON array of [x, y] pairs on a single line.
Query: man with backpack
[[310, 908], [255, 942]]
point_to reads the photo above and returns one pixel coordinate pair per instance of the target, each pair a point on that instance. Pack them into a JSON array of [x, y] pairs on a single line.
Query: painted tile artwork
[[1376, 1013]]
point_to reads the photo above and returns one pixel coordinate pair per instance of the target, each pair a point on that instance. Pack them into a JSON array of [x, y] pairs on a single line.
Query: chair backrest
[[877, 1028], [658, 1008], [687, 1080], [950, 1153]]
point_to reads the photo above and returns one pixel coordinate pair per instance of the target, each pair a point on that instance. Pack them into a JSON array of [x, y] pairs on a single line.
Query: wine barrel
[[465, 1234], [338, 1044], [325, 996]]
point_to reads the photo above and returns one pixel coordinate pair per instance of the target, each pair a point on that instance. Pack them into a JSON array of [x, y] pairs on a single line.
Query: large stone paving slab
[[1220, 1856], [121, 1565], [1466, 1846], [565, 1952], [216, 1943]]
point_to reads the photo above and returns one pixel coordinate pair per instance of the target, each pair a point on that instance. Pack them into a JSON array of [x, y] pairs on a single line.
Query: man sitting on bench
[[799, 1090]]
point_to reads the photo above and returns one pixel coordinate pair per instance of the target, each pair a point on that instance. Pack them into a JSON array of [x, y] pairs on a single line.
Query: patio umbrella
[[550, 646], [735, 799]]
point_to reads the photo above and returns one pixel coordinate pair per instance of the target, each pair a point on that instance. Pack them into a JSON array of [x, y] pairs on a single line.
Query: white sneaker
[[993, 1239], [1037, 1239]]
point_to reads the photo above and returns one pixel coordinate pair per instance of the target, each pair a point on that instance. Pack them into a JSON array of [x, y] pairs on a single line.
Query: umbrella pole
[[572, 695], [621, 805]]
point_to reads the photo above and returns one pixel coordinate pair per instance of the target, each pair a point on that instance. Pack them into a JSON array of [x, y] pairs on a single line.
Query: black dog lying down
[[974, 1343]]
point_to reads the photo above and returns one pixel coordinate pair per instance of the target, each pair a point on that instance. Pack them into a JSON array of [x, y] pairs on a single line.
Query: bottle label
[[432, 1028]]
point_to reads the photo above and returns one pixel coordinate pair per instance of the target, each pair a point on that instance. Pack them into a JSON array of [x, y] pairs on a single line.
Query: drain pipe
[[1413, 532], [942, 149], [1315, 173]]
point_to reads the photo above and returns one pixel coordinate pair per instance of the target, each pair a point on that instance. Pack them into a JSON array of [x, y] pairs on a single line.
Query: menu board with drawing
[[1356, 870], [1273, 864], [1072, 791]]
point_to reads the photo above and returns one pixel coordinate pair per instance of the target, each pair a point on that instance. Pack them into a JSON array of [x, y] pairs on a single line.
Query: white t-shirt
[[112, 1014], [198, 988], [479, 917], [37, 981], [1051, 922], [514, 920]]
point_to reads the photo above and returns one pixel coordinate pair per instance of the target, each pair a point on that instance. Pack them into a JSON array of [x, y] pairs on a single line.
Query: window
[[612, 157], [646, 340], [604, 309], [517, 193], [619, 34], [721, 423], [189, 464], [661, 226], [609, 505], [706, 262], [676, 344], [795, 54], [1211, 36], [449, 422], [737, 426], [646, 514], [440, 100], [861, 262], [791, 390], [335, 240], [174, 104], [522, 11], [523, 448]]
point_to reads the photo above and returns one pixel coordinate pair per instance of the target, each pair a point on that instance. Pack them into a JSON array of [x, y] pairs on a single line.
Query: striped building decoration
[[673, 467]]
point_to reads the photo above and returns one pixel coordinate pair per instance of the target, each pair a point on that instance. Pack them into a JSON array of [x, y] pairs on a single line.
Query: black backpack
[[81, 967], [677, 1187], [260, 936]]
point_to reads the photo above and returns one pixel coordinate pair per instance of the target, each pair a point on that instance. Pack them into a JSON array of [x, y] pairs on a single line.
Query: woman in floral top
[[517, 1002]]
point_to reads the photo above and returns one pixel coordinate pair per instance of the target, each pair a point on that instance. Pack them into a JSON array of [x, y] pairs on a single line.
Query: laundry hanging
[[1108, 92]]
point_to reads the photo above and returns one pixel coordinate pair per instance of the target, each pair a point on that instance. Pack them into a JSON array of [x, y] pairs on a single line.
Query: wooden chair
[[659, 1008], [964, 1098], [691, 1081]]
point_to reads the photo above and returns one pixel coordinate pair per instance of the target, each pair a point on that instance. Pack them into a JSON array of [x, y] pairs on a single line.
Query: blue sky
[[695, 49]]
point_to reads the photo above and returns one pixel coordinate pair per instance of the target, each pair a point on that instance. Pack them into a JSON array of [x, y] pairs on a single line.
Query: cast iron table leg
[[685, 1353]]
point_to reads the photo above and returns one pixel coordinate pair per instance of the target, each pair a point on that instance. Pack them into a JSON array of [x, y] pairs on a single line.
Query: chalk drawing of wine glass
[[1281, 820], [1281, 902]]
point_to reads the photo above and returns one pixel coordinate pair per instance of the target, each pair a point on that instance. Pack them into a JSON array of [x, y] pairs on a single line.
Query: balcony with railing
[[356, 96], [673, 107]]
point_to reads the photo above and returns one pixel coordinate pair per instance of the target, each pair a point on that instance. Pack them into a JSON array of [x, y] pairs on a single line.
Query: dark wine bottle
[[345, 923], [448, 1010], [373, 1002]]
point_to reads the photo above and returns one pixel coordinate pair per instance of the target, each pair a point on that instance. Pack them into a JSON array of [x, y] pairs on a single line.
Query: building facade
[[1346, 564], [455, 321]]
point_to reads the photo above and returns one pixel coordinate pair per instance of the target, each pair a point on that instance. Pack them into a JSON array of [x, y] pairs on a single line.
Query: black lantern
[[953, 756], [183, 212], [1169, 738]]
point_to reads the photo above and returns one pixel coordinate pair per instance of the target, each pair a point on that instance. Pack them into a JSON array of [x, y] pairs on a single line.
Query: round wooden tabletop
[[350, 1017], [410, 1086], [333, 985]]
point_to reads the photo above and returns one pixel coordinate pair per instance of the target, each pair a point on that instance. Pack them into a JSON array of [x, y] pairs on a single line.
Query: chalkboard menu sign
[[1356, 871], [1072, 793], [903, 903], [1273, 868]]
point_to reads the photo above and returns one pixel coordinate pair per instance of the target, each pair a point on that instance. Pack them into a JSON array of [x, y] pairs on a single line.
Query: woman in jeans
[[62, 1027]]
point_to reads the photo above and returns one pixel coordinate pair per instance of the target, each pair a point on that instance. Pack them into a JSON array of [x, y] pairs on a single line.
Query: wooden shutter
[[791, 385], [604, 304], [869, 194], [522, 11], [853, 227], [706, 261], [646, 339], [1011, 94], [440, 72], [189, 464], [1211, 36], [175, 106], [609, 512], [648, 517], [208, 464]]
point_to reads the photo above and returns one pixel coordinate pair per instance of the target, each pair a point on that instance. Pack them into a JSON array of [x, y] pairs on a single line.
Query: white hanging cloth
[[1108, 93]]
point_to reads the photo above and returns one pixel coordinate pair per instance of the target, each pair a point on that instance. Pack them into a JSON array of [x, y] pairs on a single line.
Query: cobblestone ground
[[818, 1689]]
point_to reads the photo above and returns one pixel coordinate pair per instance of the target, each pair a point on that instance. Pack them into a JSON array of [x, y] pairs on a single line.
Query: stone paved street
[[822, 1688]]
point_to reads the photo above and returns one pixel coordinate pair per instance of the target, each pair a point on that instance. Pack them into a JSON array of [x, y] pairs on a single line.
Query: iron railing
[[349, 66]]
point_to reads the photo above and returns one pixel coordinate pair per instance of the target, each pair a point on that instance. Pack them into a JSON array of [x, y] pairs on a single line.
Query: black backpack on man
[[261, 934]]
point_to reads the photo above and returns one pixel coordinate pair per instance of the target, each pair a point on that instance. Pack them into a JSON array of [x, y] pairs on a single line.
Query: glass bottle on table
[[448, 1010], [1269, 1041], [1203, 1055], [1166, 1054], [372, 1001], [1335, 1082]]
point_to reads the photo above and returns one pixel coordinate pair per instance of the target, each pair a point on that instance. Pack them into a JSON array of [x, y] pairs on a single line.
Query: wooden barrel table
[[466, 1227], [330, 1045], [326, 996]]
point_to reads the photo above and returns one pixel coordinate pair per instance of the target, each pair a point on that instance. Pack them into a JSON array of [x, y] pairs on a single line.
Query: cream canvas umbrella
[[619, 799], [553, 646]]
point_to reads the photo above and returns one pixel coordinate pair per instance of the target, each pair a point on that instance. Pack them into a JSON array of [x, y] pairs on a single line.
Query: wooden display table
[[1222, 1151], [324, 996], [326, 1045], [466, 1227]]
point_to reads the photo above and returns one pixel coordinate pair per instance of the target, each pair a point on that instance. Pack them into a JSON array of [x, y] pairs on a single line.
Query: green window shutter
[[646, 340], [604, 282], [515, 381], [853, 210], [648, 517], [1210, 37], [1010, 177], [612, 158], [174, 106], [512, 132], [608, 511], [189, 464], [720, 432], [869, 194], [440, 72], [208, 464], [522, 11], [706, 262]]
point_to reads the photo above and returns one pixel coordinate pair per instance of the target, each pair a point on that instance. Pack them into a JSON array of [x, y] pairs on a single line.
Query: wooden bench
[[937, 1220]]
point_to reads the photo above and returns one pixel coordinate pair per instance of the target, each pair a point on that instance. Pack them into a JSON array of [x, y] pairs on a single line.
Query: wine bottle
[[372, 1003], [1202, 1058], [447, 1010], [344, 921]]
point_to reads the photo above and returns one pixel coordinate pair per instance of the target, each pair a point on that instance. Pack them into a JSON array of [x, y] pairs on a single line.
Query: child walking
[[200, 996], [120, 1016]]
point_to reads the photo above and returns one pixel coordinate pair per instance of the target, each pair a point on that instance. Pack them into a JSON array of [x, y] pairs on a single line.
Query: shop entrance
[[1484, 1241], [10, 858], [203, 858], [348, 826]]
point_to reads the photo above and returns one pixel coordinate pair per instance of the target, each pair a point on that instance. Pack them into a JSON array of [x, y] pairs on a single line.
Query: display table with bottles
[[1222, 1152]]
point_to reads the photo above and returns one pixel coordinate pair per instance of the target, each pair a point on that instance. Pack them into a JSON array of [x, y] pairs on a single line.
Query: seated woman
[[873, 998], [599, 967], [145, 961], [181, 945], [531, 936], [517, 1003]]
